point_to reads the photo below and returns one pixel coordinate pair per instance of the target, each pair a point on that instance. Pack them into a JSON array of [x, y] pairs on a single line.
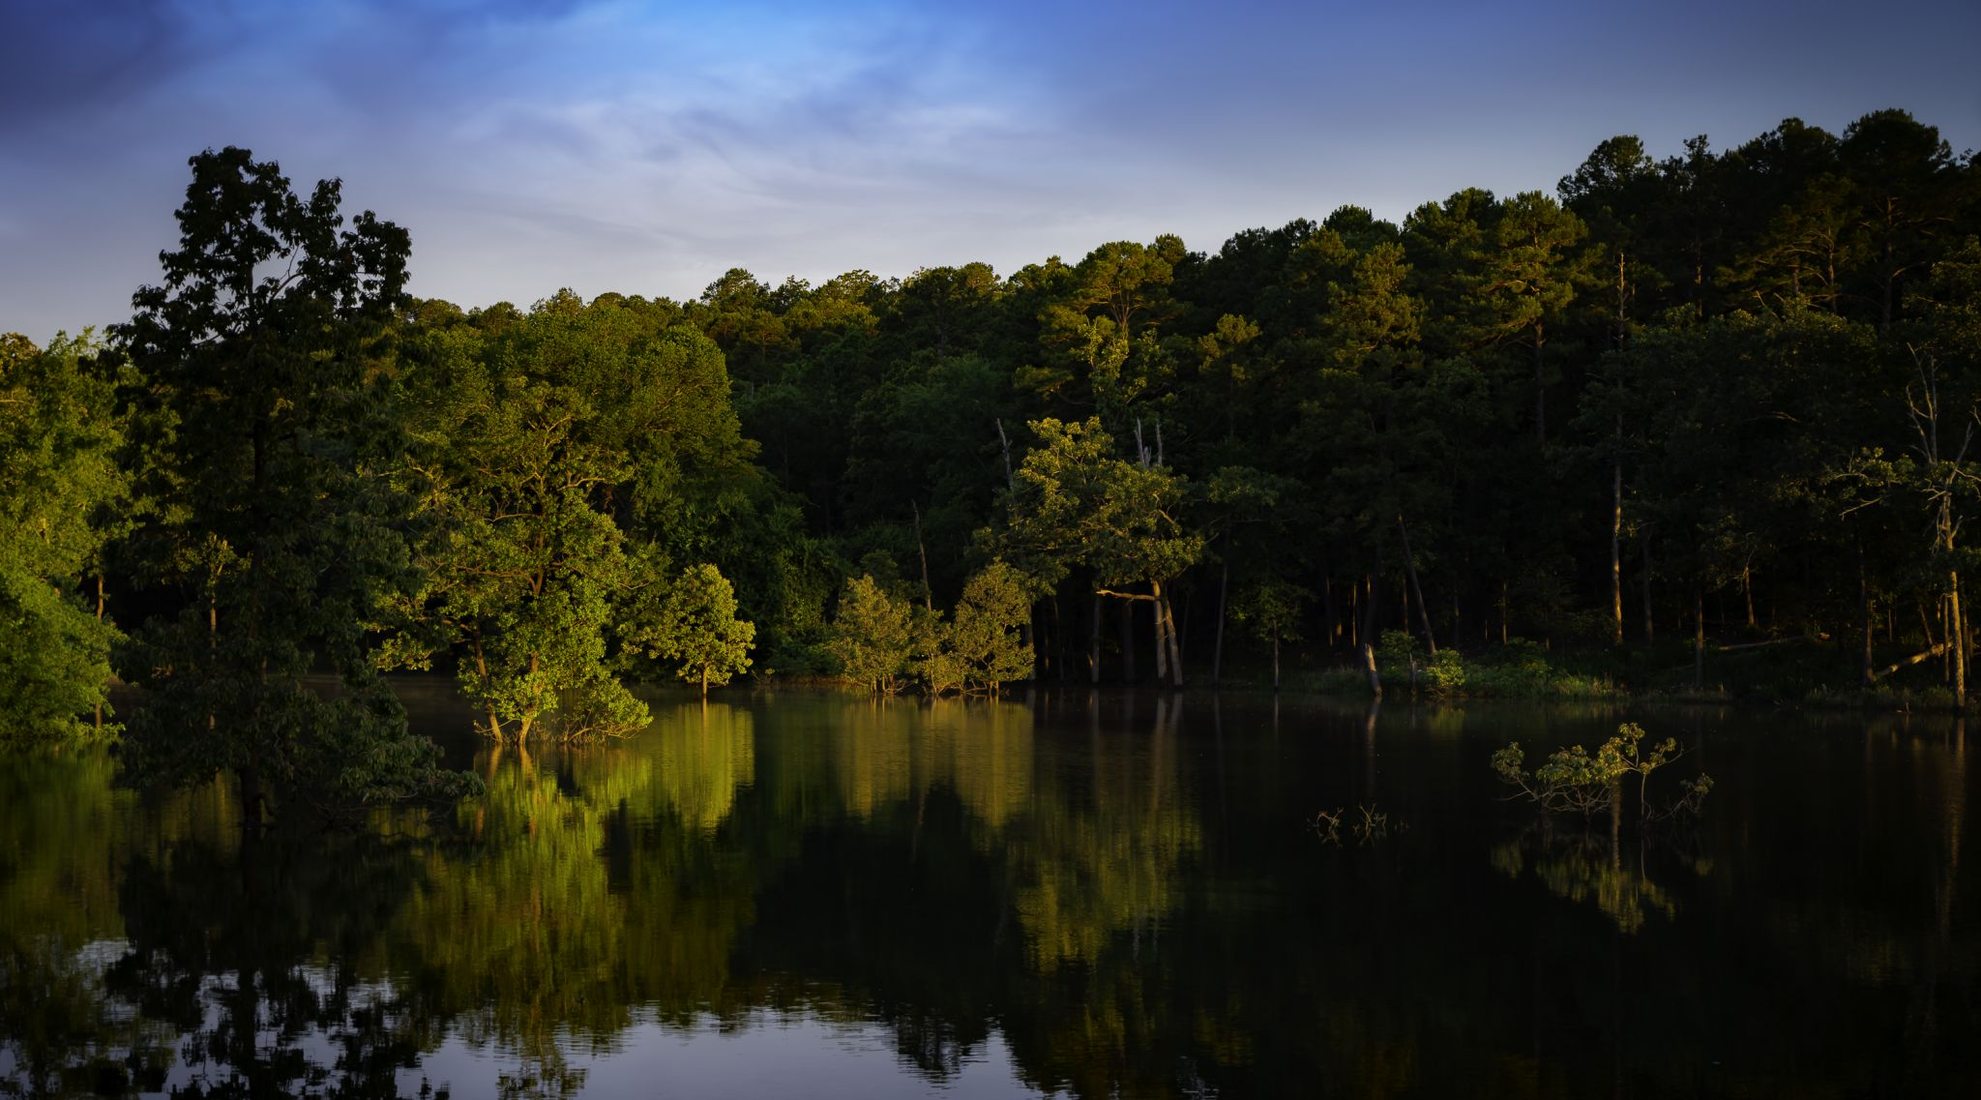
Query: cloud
[[644, 146]]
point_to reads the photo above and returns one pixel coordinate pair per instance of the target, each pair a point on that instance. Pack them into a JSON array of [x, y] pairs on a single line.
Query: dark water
[[815, 895]]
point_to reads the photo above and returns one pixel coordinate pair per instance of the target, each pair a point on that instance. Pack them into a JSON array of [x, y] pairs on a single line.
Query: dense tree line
[[1725, 395]]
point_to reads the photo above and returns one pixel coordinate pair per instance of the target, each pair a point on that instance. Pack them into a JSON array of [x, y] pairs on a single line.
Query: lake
[[1071, 894]]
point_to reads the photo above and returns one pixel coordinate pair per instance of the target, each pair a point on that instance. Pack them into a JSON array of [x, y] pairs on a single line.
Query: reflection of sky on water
[[767, 1055]]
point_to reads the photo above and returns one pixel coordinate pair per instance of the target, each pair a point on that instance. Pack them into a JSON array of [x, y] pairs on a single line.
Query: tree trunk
[[1330, 619], [1217, 645], [1957, 639], [481, 673], [928, 593], [1161, 632], [99, 618], [1616, 539], [1540, 388], [1355, 614], [1864, 606], [1004, 441], [1168, 612], [1094, 644], [1369, 670], [1058, 638], [1127, 624], [1369, 606], [252, 799], [1275, 662], [1699, 637], [1416, 590], [1747, 590], [1650, 621]]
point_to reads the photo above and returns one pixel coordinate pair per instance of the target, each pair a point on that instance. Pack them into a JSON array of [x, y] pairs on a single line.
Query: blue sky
[[646, 147]]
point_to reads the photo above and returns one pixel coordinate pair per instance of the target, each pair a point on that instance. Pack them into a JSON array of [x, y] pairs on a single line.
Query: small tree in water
[[696, 625], [1574, 780], [872, 636], [1272, 611]]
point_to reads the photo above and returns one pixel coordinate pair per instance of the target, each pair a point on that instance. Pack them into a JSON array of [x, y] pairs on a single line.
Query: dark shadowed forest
[[1697, 420]]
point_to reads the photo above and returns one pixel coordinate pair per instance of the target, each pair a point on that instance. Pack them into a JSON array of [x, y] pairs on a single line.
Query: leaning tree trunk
[[1369, 670], [1168, 613], [1416, 590]]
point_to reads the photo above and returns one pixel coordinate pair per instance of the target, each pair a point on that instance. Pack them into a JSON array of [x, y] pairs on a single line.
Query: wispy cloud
[[645, 146]]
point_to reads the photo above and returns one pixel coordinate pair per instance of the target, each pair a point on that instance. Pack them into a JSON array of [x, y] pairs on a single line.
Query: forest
[[1697, 421]]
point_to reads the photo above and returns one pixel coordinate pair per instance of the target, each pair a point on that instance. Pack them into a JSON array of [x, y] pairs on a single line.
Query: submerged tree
[[259, 358], [694, 626], [872, 636]]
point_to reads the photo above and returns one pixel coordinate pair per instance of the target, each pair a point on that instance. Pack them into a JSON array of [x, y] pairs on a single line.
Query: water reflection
[[1091, 895]]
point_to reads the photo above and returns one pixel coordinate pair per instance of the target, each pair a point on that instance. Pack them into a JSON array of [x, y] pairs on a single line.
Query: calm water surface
[[1090, 896]]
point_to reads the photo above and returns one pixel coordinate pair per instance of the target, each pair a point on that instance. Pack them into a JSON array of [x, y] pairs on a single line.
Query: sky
[[646, 147]]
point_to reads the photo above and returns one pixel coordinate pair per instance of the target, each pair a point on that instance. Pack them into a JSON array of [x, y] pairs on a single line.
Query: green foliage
[[1272, 610], [695, 625], [559, 459], [1575, 780], [257, 378], [60, 484], [996, 605], [873, 636], [1077, 504], [1399, 655], [1445, 674]]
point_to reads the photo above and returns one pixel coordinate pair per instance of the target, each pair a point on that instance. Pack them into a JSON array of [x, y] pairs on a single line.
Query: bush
[[1575, 780], [1446, 673]]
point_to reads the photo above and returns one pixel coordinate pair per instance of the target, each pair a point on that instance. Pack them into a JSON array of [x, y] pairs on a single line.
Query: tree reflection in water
[[1121, 892]]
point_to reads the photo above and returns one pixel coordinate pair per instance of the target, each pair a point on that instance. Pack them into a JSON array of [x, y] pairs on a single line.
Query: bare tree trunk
[[1058, 638], [1699, 637], [1864, 605], [1355, 614], [1650, 620], [99, 618], [1369, 670], [1161, 633], [1175, 639], [1957, 637], [1747, 590], [1540, 388], [1127, 625], [928, 593], [1417, 590], [1369, 608], [1616, 539], [1094, 644], [1004, 441], [1330, 617], [1217, 646]]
